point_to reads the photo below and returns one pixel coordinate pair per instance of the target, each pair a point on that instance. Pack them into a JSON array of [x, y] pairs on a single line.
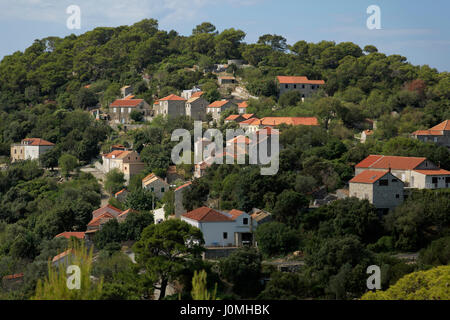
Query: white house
[[30, 149], [221, 229]]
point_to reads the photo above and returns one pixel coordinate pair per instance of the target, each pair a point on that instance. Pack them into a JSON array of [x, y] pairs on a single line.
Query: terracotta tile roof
[[105, 209], [298, 80], [218, 104], [239, 140], [268, 131], [36, 142], [151, 178], [252, 121], [243, 105], [183, 186], [193, 99], [62, 255], [236, 213], [172, 97], [444, 126], [206, 214], [368, 132], [232, 117], [227, 77], [98, 221], [248, 115], [126, 212], [131, 96], [440, 172], [369, 176], [197, 94], [393, 162], [129, 103], [117, 154], [68, 235], [13, 276], [428, 133], [294, 121], [120, 192]]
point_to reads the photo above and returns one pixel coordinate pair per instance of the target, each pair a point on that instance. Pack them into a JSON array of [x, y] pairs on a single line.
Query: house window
[[152, 189], [303, 86], [384, 182], [225, 235], [245, 221], [447, 180], [286, 86], [115, 110], [435, 139], [295, 86], [394, 180], [434, 180], [15, 151], [162, 190], [397, 196]]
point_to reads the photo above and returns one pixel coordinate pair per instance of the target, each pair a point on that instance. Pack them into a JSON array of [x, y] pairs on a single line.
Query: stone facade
[[306, 87], [171, 106], [196, 108], [156, 185], [30, 149]]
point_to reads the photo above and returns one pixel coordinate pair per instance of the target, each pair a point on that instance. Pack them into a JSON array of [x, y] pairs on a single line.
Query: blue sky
[[418, 30]]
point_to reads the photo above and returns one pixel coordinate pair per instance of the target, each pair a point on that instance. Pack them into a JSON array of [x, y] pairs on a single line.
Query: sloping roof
[[151, 178], [248, 115], [197, 94], [105, 209], [120, 192], [296, 80], [232, 117], [369, 176], [126, 212], [117, 154], [172, 97], [294, 121], [218, 104], [252, 121], [205, 214], [193, 99], [227, 77], [393, 162], [440, 172], [13, 276], [243, 105], [236, 213], [427, 133], [130, 103], [98, 221], [68, 235], [37, 142], [183, 186], [444, 126], [62, 255]]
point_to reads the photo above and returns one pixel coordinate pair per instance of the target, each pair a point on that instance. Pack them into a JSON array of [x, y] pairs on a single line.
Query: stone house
[[226, 80], [381, 188], [242, 107], [127, 162], [414, 172], [171, 106], [30, 149], [218, 107], [196, 108], [305, 86], [156, 185], [439, 134], [120, 110]]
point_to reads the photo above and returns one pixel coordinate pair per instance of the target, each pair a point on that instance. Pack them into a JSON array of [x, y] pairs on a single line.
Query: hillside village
[[364, 163]]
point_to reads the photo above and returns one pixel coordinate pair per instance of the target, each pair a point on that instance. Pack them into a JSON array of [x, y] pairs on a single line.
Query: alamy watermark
[[262, 147], [374, 281], [374, 20], [73, 277], [74, 20]]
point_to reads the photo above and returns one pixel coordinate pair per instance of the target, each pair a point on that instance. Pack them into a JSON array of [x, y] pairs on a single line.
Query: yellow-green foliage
[[199, 290], [55, 287], [433, 284]]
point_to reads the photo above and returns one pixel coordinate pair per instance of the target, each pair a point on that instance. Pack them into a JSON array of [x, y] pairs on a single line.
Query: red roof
[[197, 94], [427, 133], [294, 121], [444, 126], [98, 221], [105, 209], [369, 176], [248, 115], [218, 104], [393, 162], [440, 172], [205, 214], [68, 235], [62, 255], [13, 276], [183, 186], [36, 142], [130, 103], [232, 117], [296, 80], [172, 97], [236, 213], [268, 131], [126, 212], [252, 121], [243, 104]]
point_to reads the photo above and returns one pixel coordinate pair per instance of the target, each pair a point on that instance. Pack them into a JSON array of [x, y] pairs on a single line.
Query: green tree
[[164, 250], [289, 207], [67, 164], [275, 238], [114, 181]]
